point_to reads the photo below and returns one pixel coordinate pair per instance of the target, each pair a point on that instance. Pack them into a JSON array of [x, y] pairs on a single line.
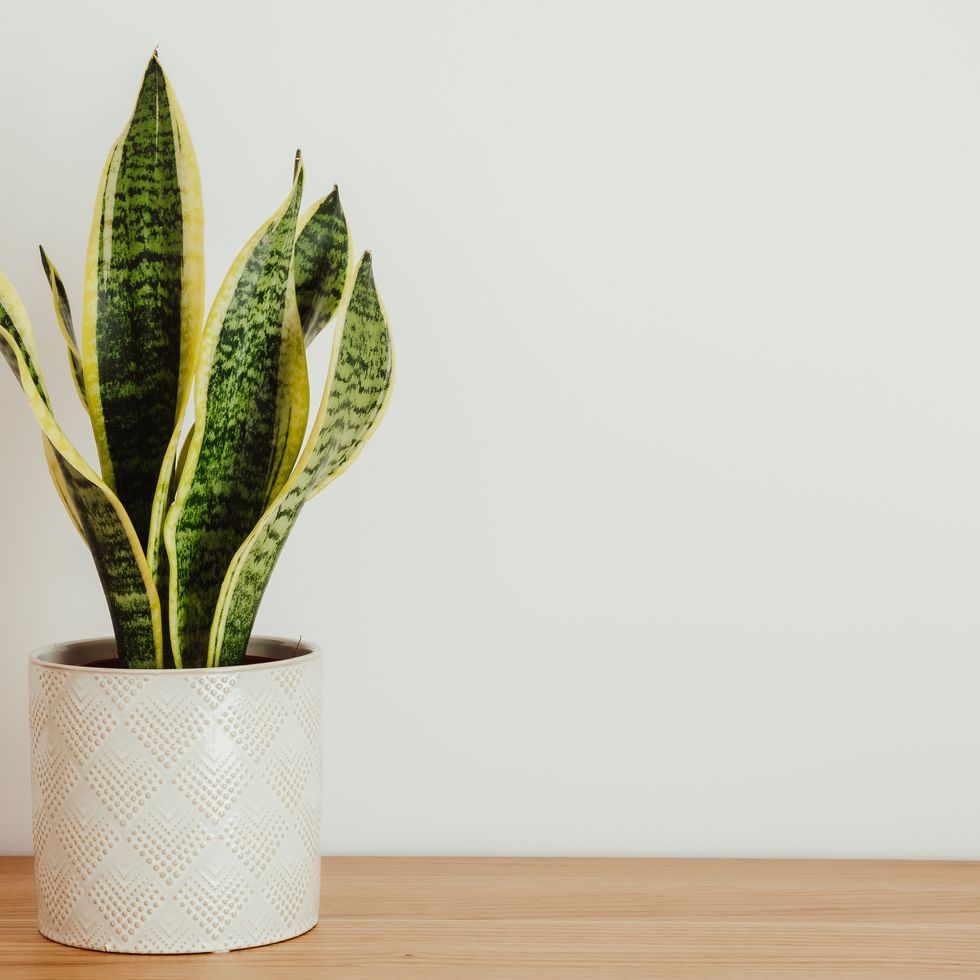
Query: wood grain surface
[[576, 918]]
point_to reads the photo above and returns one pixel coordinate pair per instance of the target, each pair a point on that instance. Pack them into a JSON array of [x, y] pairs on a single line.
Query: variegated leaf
[[20, 340], [323, 257], [163, 497], [143, 296], [251, 402], [62, 314], [60, 484], [354, 399], [134, 605]]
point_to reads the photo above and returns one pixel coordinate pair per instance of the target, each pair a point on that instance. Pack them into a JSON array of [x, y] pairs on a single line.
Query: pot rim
[[289, 651]]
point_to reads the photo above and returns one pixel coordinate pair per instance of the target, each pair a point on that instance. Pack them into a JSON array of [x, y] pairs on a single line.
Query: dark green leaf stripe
[[134, 604], [251, 403], [62, 315], [13, 319], [173, 466], [138, 635], [58, 479], [18, 337], [354, 399], [163, 497], [192, 307], [322, 261], [138, 325]]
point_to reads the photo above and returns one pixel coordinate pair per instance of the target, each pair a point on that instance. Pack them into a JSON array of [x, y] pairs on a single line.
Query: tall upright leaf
[[143, 295], [355, 396], [323, 257], [134, 604], [251, 399]]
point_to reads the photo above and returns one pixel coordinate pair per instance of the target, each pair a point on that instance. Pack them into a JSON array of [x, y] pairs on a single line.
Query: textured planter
[[176, 811]]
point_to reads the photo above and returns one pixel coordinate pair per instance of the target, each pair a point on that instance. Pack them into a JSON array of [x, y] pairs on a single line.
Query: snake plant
[[186, 517]]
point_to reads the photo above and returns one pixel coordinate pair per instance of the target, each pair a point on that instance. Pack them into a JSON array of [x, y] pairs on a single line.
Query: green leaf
[[354, 399], [323, 256], [62, 314], [251, 403], [58, 479], [170, 471], [134, 604], [19, 349], [143, 295]]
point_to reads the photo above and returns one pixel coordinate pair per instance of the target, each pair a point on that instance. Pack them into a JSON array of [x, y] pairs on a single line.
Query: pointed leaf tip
[[365, 272], [141, 309], [322, 257]]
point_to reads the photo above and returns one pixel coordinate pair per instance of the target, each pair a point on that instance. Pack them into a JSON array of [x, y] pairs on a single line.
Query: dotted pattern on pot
[[176, 812]]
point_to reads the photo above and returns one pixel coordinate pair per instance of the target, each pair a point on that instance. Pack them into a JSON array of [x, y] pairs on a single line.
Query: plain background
[[670, 541]]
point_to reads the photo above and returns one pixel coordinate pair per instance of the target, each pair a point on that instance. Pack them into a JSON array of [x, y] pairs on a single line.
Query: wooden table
[[571, 919]]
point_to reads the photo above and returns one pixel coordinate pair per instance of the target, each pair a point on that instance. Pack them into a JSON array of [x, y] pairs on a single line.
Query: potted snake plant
[[176, 765]]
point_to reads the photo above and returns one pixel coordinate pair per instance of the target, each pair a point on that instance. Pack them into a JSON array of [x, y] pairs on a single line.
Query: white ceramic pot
[[176, 811]]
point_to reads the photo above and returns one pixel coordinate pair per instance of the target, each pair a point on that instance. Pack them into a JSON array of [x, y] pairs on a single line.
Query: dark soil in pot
[[113, 662]]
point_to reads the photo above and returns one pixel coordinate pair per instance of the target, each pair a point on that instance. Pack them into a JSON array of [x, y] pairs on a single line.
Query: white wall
[[670, 542]]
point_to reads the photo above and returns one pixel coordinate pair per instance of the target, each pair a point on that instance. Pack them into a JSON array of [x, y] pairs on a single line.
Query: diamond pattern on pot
[[87, 839], [212, 782], [289, 680], [170, 930], [289, 889], [37, 715], [308, 828], [41, 821], [123, 781], [213, 898], [176, 812], [126, 899], [49, 683], [253, 726], [121, 690], [307, 708], [213, 689], [289, 775], [57, 889], [249, 930], [169, 845], [83, 929], [84, 721], [167, 727], [56, 776], [254, 837]]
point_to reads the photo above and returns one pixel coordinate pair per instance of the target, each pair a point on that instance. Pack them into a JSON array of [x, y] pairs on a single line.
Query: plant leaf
[[62, 314], [20, 340], [251, 402], [60, 485], [143, 295], [163, 497], [323, 257], [134, 604], [354, 400]]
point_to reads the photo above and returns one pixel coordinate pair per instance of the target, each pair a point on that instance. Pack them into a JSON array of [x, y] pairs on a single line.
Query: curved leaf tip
[[323, 260], [354, 400]]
